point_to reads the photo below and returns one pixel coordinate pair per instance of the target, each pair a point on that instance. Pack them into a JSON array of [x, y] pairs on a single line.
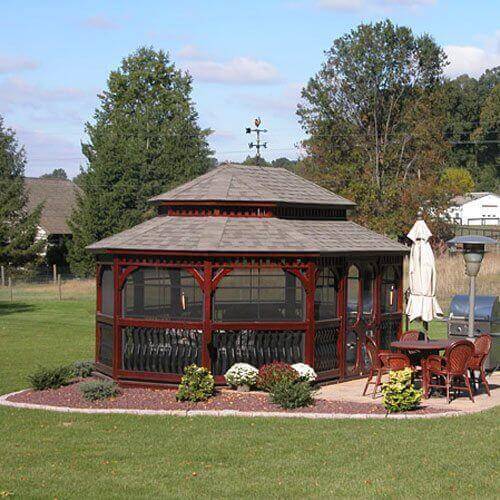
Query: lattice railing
[[162, 350], [256, 347], [326, 356]]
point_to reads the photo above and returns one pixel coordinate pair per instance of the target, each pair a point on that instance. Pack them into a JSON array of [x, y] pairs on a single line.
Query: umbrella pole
[[426, 329]]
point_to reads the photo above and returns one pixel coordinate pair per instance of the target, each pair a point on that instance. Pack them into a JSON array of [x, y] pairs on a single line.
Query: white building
[[475, 209]]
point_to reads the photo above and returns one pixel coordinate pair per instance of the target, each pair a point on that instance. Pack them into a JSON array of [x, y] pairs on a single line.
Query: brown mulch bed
[[161, 399]]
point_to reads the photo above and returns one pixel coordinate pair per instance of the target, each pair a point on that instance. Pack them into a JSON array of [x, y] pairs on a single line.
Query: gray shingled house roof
[[58, 197], [252, 234], [232, 182]]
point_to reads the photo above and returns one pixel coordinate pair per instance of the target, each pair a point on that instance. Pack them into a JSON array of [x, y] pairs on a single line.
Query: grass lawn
[[48, 455]]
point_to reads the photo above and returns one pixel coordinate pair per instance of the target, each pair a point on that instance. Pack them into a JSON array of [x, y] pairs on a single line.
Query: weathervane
[[257, 145]]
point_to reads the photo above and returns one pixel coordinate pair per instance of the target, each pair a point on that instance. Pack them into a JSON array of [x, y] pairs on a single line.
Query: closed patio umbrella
[[422, 302]]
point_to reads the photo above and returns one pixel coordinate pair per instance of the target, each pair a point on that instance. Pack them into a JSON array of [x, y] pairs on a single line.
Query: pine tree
[[19, 248], [144, 140]]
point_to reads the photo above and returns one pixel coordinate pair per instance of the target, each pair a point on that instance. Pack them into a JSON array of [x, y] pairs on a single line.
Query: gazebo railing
[[160, 350], [256, 347], [326, 346]]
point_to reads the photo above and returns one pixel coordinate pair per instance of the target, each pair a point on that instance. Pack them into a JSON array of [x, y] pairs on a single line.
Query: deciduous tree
[[375, 124], [57, 173]]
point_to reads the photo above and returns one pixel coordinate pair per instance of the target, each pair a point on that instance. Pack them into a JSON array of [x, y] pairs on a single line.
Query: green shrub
[[399, 393], [197, 384], [96, 390], [275, 372], [50, 378], [83, 369], [291, 394]]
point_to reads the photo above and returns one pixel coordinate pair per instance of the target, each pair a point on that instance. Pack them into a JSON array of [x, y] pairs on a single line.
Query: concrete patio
[[352, 390]]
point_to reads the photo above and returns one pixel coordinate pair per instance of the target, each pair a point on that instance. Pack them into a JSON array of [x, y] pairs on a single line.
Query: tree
[[144, 140], [254, 160], [467, 103], [285, 163], [457, 181], [374, 121], [57, 173], [19, 247]]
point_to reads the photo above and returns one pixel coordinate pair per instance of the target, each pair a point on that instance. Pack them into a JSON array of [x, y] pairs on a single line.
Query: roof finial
[[420, 215]]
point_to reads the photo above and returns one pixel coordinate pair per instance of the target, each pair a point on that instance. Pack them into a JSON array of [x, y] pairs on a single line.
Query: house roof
[[58, 197], [458, 201], [244, 183], [252, 234]]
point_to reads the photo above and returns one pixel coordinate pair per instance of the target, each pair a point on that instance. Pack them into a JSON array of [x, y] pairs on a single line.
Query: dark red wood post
[[342, 303], [401, 304], [206, 336], [98, 309], [377, 302], [310, 329], [116, 316]]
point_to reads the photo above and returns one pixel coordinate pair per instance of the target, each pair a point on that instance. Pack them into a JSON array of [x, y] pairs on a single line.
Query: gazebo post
[[377, 302], [310, 330], [206, 336], [116, 316], [98, 305], [342, 308]]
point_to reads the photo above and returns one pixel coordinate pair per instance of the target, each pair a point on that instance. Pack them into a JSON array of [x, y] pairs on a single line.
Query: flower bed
[[160, 399]]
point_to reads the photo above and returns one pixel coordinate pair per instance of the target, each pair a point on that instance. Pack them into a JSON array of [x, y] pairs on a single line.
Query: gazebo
[[244, 264]]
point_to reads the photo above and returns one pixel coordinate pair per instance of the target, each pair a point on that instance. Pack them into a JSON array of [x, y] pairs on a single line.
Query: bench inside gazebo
[[245, 264]]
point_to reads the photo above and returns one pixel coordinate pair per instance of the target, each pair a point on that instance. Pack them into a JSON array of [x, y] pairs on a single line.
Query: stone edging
[[225, 413]]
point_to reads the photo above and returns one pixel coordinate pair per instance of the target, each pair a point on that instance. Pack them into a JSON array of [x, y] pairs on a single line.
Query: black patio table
[[426, 348]]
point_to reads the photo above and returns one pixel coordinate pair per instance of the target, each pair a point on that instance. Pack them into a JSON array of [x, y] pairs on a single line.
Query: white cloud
[[471, 59], [100, 22], [46, 151], [15, 64], [282, 103], [19, 92], [346, 5], [356, 5], [190, 52], [240, 70]]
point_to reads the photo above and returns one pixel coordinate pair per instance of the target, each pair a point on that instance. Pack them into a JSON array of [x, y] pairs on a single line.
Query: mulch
[[164, 399]]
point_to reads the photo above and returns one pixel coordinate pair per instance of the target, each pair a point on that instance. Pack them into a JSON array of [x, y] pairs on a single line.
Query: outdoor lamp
[[473, 252]]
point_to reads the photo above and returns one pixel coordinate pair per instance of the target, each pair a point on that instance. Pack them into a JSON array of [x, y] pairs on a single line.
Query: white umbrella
[[422, 302]]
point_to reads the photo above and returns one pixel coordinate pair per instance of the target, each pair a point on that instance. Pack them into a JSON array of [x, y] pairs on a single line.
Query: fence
[[43, 285]]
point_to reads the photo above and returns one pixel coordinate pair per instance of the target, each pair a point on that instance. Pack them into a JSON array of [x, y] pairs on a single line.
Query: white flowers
[[305, 372], [241, 374]]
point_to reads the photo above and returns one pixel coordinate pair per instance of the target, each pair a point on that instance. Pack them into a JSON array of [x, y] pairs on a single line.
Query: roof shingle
[[233, 234], [58, 197], [232, 182]]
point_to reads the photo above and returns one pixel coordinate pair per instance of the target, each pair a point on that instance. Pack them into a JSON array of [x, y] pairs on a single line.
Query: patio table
[[426, 348]]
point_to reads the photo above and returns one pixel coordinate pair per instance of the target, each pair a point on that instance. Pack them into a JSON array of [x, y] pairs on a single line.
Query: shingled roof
[[234, 234], [244, 183], [58, 197]]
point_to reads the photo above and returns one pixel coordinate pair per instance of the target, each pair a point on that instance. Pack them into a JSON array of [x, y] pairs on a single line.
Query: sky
[[247, 59]]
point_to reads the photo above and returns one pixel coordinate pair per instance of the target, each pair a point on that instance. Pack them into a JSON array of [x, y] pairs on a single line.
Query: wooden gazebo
[[244, 264]]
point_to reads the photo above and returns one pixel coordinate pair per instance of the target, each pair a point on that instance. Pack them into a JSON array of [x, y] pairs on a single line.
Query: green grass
[[68, 455]]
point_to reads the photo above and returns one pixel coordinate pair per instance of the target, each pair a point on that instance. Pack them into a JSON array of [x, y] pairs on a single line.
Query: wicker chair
[[482, 347], [382, 362], [415, 356], [454, 365]]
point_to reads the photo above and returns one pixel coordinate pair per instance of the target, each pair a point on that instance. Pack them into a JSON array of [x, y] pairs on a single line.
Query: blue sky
[[247, 59]]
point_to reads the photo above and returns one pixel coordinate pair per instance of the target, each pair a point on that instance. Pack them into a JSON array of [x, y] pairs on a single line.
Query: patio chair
[[415, 356], [446, 369], [382, 362], [482, 347]]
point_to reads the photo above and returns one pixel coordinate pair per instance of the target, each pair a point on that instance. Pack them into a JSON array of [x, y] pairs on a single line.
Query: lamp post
[[473, 252]]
